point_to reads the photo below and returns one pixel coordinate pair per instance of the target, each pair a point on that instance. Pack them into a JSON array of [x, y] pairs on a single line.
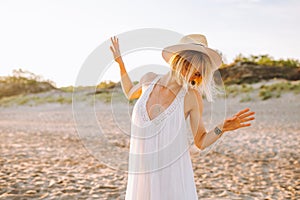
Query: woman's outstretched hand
[[238, 120], [116, 49]]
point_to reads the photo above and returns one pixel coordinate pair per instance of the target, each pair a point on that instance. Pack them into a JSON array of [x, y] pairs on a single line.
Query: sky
[[53, 38]]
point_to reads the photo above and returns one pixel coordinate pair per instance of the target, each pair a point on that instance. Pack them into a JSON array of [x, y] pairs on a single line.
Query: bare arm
[[196, 121], [202, 138], [130, 90]]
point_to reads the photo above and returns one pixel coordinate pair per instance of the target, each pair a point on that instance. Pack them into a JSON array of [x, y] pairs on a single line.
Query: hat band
[[199, 44]]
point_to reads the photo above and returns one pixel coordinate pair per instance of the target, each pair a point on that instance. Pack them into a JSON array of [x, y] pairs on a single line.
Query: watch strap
[[217, 130]]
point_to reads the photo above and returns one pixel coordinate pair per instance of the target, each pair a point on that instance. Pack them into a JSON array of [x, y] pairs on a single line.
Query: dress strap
[[155, 80], [151, 85]]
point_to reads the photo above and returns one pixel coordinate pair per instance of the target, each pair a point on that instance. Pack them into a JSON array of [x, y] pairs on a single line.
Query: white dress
[[160, 166]]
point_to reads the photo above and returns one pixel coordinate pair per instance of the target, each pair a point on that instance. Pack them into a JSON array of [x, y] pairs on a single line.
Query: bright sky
[[53, 38]]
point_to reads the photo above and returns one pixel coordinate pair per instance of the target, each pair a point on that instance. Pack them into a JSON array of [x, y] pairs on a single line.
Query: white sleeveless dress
[[160, 166]]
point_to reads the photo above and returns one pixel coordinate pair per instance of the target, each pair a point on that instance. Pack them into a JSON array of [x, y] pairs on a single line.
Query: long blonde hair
[[190, 61]]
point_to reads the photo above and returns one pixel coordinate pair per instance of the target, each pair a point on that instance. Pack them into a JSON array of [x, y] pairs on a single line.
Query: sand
[[43, 157]]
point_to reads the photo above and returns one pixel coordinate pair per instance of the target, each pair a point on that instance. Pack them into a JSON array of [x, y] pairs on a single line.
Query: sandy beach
[[43, 157]]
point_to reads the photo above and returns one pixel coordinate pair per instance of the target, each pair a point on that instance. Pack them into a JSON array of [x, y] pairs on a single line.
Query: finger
[[247, 114], [112, 39], [244, 125], [242, 111], [111, 48], [247, 119], [113, 51]]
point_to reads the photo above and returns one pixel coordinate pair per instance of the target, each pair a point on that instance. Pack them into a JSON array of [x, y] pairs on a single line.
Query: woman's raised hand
[[116, 49], [238, 120]]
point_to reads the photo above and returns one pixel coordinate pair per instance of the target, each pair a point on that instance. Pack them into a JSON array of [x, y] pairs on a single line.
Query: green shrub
[[106, 85], [265, 94]]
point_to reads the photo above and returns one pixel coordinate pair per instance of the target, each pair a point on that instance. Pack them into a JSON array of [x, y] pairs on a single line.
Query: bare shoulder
[[193, 100], [148, 78]]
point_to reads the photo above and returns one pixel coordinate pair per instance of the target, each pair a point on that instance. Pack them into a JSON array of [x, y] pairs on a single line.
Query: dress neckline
[[168, 110]]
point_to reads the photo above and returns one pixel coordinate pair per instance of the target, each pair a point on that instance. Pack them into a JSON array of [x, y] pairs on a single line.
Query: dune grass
[[276, 89], [235, 89], [108, 97], [247, 92], [34, 100]]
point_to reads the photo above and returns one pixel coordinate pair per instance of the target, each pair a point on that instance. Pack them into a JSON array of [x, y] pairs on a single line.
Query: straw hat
[[196, 42]]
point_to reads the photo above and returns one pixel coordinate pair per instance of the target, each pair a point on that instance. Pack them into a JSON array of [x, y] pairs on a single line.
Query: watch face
[[218, 131]]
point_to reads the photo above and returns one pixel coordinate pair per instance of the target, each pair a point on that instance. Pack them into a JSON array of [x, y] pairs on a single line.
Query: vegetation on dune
[[34, 100], [248, 93], [263, 60], [23, 88], [276, 89], [23, 82], [234, 90], [106, 85]]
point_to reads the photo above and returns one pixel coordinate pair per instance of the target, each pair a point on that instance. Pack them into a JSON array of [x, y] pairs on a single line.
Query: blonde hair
[[190, 61]]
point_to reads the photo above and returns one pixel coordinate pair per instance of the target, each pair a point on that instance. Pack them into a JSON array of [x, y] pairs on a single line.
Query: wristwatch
[[217, 130]]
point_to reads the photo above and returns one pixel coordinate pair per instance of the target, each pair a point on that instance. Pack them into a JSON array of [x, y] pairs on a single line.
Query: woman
[[159, 163]]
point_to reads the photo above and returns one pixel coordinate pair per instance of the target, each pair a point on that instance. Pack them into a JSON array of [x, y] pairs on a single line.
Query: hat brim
[[214, 56]]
